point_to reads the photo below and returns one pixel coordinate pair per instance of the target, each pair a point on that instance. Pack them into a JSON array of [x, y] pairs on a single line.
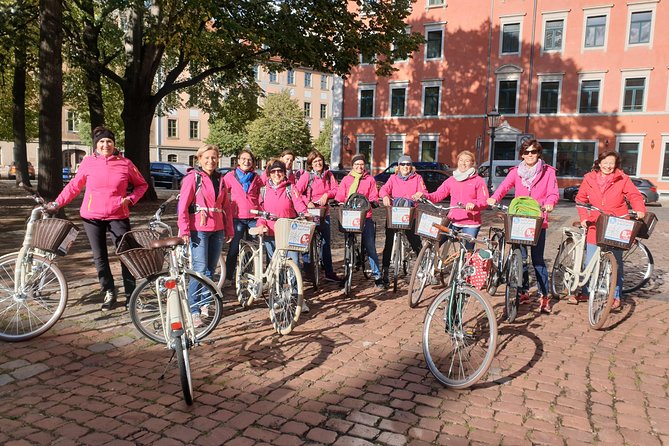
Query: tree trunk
[[50, 181], [19, 116], [137, 116], [92, 75]]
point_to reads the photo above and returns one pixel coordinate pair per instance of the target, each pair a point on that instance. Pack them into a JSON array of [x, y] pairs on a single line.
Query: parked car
[[646, 187], [168, 175], [433, 178], [224, 170], [501, 170], [420, 165], [12, 171], [339, 174]]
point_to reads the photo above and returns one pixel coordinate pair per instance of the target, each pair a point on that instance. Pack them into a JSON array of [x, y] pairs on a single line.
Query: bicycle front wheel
[[459, 337], [562, 273], [495, 277], [349, 262], [514, 281], [397, 259], [602, 290], [248, 286], [315, 258], [33, 307], [181, 350], [286, 296], [421, 274], [151, 295], [219, 273], [638, 266]]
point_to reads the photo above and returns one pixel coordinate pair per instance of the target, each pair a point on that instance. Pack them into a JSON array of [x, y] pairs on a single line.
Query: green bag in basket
[[526, 206]]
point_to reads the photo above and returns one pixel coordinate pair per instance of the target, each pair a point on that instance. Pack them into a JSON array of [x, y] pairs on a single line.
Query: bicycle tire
[[38, 305], [638, 265], [396, 258], [460, 355], [315, 258], [363, 262], [247, 285], [496, 274], [602, 290], [422, 272], [183, 361], [448, 253], [145, 309], [219, 274], [286, 296], [514, 280], [562, 280], [349, 262]]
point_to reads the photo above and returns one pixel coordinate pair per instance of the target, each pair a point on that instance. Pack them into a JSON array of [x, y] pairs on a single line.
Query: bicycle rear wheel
[[286, 295], [422, 272], [496, 274], [349, 262], [315, 258], [562, 273], [397, 259], [38, 303], [459, 338], [638, 265], [219, 273], [602, 290], [247, 284], [144, 305], [514, 281], [181, 349]]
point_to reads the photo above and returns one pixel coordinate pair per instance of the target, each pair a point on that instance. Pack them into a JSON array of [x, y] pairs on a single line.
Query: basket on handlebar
[[135, 253], [54, 235], [293, 235], [616, 232], [522, 229], [424, 224], [317, 214], [648, 223], [352, 220], [399, 217]]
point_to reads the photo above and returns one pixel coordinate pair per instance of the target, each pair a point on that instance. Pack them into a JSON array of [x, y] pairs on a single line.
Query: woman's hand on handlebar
[[548, 207], [470, 206], [323, 200], [491, 201], [418, 195], [640, 214], [311, 205], [386, 201]]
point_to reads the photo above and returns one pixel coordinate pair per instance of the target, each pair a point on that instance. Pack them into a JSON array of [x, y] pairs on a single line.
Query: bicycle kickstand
[[168, 364]]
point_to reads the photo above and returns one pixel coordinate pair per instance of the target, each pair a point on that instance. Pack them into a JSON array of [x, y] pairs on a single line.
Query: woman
[[287, 157], [606, 187], [106, 176], [244, 186], [316, 187], [465, 186], [204, 220], [360, 181], [405, 184], [536, 179]]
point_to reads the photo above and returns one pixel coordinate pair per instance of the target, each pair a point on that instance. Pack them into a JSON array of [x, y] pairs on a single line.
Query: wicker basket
[[135, 253], [522, 229], [317, 214], [293, 235], [648, 223], [54, 235], [424, 224], [616, 232], [399, 217], [352, 220]]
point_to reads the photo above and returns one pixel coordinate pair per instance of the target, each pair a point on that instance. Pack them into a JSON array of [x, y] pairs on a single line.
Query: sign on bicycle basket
[[523, 230], [352, 220], [67, 242], [425, 225], [299, 235], [317, 214], [399, 217]]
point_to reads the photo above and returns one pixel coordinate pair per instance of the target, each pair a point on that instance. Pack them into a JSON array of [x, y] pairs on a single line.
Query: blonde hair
[[469, 154], [207, 148]]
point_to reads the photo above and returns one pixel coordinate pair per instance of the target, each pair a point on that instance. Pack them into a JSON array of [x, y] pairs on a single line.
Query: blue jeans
[[205, 251], [540, 270], [467, 230], [369, 241], [242, 226], [270, 246], [326, 250], [618, 254]]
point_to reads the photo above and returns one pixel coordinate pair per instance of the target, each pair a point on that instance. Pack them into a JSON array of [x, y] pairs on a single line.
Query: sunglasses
[[276, 171], [530, 152], [405, 164]]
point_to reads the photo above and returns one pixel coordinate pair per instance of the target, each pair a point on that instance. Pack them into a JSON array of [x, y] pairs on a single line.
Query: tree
[[324, 141]]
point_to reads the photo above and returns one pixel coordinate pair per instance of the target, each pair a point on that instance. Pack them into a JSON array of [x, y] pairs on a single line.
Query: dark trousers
[[414, 241], [96, 230]]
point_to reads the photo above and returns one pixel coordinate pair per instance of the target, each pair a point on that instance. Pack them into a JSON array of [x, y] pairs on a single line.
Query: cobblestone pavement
[[351, 373]]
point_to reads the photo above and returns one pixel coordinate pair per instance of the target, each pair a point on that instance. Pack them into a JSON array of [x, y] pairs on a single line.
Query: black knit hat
[[101, 133], [358, 157], [277, 165]]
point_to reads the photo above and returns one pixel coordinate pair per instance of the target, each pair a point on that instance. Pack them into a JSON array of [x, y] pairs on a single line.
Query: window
[[430, 100], [366, 58], [324, 82], [633, 96], [595, 31], [640, 25], [393, 47], [307, 109], [273, 78], [290, 77], [629, 156], [171, 128], [511, 38], [548, 152], [256, 73], [549, 97], [428, 150], [398, 97], [507, 97], [574, 159], [307, 80], [365, 148], [589, 96], [433, 44], [324, 111], [553, 35], [194, 130], [665, 164], [435, 3], [366, 103], [71, 121], [172, 159], [395, 150]]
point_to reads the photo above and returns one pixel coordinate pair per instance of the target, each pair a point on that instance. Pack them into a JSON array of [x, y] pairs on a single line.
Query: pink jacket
[[106, 180], [472, 190], [242, 202], [211, 213], [325, 184], [396, 187], [544, 188], [366, 187], [277, 202]]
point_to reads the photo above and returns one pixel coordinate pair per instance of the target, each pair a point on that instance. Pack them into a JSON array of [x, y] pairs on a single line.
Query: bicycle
[[33, 290], [568, 272], [282, 277], [460, 328], [638, 265], [398, 219], [352, 222], [317, 214]]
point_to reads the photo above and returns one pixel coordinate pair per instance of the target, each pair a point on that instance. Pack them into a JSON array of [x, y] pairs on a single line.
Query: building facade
[[582, 77]]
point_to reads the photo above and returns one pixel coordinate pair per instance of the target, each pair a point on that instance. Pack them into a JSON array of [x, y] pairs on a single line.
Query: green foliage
[[324, 141], [281, 126]]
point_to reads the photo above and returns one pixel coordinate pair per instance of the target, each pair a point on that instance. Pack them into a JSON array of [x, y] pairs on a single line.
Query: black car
[[648, 190], [224, 170], [420, 165], [433, 178], [339, 174], [168, 175]]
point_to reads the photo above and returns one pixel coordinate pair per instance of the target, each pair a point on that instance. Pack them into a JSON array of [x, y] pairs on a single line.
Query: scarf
[[528, 174], [245, 178], [356, 182], [462, 176], [604, 181], [406, 177]]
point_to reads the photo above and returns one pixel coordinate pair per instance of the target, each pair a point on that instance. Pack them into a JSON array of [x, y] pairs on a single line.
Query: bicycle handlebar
[[458, 205], [589, 206]]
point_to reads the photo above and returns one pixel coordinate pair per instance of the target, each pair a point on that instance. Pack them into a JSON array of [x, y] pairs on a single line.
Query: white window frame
[[176, 127], [648, 5], [429, 27], [320, 111], [401, 84], [438, 4], [326, 78], [508, 20], [634, 73], [428, 84], [634, 138], [71, 117], [407, 30], [428, 137], [308, 75], [274, 74], [665, 141], [595, 12], [365, 63], [190, 129], [508, 73], [306, 108], [550, 77], [549, 17], [366, 87], [591, 76], [172, 158], [289, 74], [392, 138]]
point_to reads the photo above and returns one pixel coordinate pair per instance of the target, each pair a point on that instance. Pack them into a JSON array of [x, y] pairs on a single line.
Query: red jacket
[[611, 200], [211, 213]]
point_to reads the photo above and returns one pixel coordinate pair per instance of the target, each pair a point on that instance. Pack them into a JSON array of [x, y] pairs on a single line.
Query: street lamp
[[493, 122]]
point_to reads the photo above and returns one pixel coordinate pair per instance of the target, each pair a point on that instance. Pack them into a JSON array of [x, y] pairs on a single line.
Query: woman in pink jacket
[[204, 219], [606, 187], [401, 187], [536, 179], [106, 176], [316, 187]]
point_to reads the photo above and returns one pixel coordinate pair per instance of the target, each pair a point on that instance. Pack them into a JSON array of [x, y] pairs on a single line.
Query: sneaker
[[380, 284], [109, 300], [197, 321], [204, 311], [305, 308], [574, 300], [524, 299], [616, 304], [545, 305], [332, 277], [385, 275]]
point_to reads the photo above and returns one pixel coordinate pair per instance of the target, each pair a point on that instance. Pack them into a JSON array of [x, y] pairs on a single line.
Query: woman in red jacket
[[606, 187]]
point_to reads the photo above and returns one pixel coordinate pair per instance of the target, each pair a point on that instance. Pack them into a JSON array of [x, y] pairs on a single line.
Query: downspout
[[531, 72], [487, 81]]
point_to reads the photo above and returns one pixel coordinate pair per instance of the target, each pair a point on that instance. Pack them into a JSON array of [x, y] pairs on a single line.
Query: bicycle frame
[[265, 274], [581, 274]]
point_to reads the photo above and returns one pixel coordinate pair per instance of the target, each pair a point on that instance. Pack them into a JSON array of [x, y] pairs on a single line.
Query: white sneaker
[[305, 308], [204, 310], [197, 321]]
